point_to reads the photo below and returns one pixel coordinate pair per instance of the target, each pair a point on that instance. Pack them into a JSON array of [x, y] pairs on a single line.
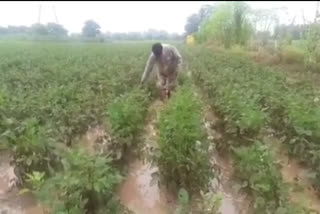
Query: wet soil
[[140, 192], [295, 174], [11, 202], [232, 201]]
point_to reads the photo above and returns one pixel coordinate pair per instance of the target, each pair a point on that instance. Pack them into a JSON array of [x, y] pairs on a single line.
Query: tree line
[[90, 31]]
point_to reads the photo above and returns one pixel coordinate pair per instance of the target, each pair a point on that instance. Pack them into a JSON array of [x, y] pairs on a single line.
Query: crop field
[[75, 125]]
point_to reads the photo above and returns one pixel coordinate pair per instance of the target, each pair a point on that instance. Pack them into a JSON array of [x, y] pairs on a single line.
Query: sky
[[116, 16]]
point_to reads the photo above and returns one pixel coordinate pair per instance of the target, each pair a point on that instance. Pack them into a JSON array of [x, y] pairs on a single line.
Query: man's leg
[[162, 86], [172, 82]]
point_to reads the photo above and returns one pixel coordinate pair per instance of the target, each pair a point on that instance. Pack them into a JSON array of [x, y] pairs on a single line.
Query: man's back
[[169, 59], [167, 62]]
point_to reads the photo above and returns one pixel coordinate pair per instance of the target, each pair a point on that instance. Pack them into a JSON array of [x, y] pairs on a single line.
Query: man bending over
[[168, 60]]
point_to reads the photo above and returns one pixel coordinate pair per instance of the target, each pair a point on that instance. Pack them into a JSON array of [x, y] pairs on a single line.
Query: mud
[[97, 141], [11, 202], [141, 192], [91, 138], [232, 201]]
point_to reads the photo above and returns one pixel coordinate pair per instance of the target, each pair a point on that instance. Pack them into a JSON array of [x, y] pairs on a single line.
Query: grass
[[292, 55]]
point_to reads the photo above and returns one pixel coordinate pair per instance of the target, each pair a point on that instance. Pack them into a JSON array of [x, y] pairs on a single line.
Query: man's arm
[[148, 68]]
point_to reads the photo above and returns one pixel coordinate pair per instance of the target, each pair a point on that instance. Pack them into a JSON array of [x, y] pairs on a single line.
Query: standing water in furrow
[[232, 202], [11, 202], [139, 192]]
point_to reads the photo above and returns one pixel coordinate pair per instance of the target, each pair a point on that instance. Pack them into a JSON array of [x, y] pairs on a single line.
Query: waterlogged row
[[49, 94], [92, 178], [62, 88], [251, 97], [259, 173]]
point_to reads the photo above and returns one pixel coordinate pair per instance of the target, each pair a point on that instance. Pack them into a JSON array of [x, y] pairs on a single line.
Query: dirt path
[[11, 202], [140, 192]]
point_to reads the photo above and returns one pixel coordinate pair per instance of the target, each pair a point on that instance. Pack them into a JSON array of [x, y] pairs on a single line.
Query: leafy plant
[[126, 115], [256, 167], [183, 149], [260, 174], [49, 100], [250, 96], [32, 150], [86, 185], [211, 203], [36, 180]]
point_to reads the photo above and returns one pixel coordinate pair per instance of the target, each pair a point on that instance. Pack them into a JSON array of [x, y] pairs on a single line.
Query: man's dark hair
[[157, 49]]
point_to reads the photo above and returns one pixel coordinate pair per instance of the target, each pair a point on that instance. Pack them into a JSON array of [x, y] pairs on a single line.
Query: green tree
[[195, 20], [193, 23], [56, 30], [229, 24], [91, 29], [39, 29]]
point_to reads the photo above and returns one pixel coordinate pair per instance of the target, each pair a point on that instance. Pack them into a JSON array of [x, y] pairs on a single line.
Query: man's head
[[157, 49]]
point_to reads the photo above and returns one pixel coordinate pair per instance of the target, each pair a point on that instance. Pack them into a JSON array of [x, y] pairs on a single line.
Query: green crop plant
[[64, 87], [256, 168], [260, 174], [183, 148], [32, 150], [85, 185], [250, 97], [126, 114]]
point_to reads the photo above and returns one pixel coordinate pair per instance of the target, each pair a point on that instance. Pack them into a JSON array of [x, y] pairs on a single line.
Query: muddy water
[[11, 202], [141, 195], [140, 191], [295, 173], [90, 139], [232, 202]]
